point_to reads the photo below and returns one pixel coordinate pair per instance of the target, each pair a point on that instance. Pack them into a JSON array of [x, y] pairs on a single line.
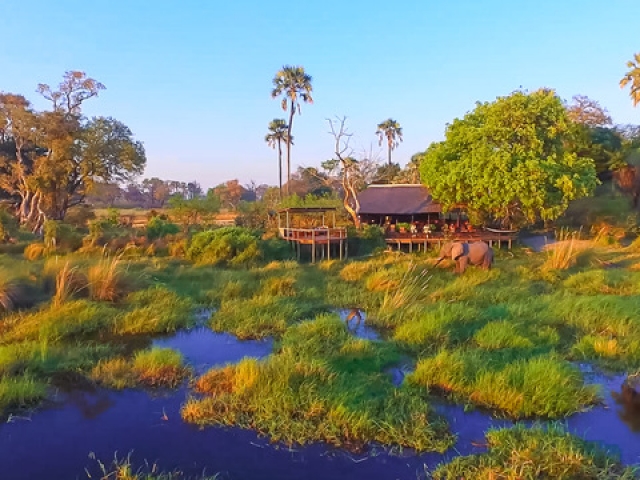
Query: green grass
[[508, 381], [22, 391], [536, 453], [56, 323], [502, 339], [323, 385], [154, 310], [157, 367]]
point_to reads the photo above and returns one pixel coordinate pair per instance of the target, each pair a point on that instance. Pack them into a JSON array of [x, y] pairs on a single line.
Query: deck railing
[[313, 235]]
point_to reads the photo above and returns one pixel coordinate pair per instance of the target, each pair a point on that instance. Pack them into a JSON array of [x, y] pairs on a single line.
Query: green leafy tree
[[59, 154], [391, 131], [632, 78], [506, 161], [294, 85], [278, 133]]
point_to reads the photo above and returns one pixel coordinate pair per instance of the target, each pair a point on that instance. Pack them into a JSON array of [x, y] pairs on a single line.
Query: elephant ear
[[457, 250]]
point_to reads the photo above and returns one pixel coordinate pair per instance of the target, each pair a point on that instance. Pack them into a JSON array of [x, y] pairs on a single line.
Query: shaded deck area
[[422, 241], [305, 229]]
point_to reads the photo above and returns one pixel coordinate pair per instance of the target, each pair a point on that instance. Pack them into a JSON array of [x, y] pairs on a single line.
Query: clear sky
[[192, 78]]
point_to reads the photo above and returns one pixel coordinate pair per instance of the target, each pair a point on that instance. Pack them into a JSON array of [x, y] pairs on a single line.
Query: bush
[[8, 226], [80, 216], [160, 228], [224, 246], [366, 240], [35, 251], [61, 237]]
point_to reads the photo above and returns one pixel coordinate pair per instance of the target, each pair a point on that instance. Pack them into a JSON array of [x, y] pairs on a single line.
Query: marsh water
[[57, 440]]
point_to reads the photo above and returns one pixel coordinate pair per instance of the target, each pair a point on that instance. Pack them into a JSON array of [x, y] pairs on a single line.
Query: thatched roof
[[397, 200]]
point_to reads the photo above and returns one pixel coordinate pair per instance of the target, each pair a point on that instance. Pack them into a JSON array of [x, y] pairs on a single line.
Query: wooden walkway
[[438, 239]]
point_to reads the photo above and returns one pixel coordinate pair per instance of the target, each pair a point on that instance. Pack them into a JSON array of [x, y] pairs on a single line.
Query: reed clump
[[108, 280]]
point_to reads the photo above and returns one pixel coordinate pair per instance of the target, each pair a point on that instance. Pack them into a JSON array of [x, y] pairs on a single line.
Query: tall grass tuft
[[70, 282], [411, 287], [11, 295], [108, 280], [564, 253]]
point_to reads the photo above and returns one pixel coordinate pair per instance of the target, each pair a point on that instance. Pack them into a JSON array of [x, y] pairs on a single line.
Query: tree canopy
[[632, 78], [391, 131], [51, 159], [506, 161]]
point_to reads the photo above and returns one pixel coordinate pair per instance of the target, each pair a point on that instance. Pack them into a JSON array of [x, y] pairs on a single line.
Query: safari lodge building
[[392, 204]]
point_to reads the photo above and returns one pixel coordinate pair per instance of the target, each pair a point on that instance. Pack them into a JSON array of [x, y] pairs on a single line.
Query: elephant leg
[[462, 264], [488, 260]]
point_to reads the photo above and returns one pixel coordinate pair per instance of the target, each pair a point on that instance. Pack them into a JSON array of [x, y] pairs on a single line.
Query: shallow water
[[55, 442], [538, 242], [203, 348], [356, 320]]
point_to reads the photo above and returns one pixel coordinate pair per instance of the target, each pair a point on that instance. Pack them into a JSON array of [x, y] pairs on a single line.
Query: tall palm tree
[[633, 77], [392, 131], [295, 86], [278, 133]]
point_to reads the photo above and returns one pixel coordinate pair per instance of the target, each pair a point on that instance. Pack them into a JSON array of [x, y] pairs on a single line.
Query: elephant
[[476, 253]]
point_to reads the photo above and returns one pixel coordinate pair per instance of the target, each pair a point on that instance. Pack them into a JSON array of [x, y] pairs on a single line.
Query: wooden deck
[[324, 238], [438, 239]]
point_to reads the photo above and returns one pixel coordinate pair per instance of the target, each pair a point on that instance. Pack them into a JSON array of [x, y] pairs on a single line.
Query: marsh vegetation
[[508, 341]]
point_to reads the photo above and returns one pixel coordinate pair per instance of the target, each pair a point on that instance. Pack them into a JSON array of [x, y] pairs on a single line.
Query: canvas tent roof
[[397, 200]]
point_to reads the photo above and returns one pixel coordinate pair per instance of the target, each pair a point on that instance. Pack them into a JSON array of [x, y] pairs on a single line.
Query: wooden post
[[313, 246]]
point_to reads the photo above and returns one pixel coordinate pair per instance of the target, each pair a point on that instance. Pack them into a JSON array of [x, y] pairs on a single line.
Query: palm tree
[[392, 131], [633, 77], [278, 133], [295, 86]]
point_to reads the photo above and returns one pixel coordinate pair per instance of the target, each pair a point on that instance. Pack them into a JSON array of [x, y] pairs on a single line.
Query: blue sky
[[193, 78]]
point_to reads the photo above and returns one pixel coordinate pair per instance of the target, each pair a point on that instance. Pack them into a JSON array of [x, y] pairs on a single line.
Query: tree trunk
[[280, 165], [293, 111], [350, 192], [389, 151]]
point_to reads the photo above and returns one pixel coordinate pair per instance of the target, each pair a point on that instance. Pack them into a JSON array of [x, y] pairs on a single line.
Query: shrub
[[160, 228], [275, 249], [80, 216], [8, 226], [35, 251], [224, 246], [13, 294], [61, 237]]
